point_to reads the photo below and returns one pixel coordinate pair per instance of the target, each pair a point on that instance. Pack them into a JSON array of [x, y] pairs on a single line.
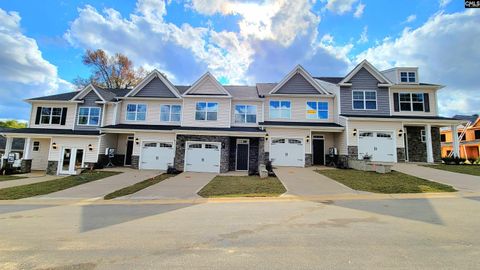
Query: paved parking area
[[460, 181], [102, 187], [307, 182], [182, 186]]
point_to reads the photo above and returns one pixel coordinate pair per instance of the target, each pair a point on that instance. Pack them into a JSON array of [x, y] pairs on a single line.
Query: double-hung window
[[170, 113], [50, 115], [407, 77], [411, 102], [364, 99], [89, 116], [317, 110], [245, 114], [280, 109], [206, 111], [136, 112]]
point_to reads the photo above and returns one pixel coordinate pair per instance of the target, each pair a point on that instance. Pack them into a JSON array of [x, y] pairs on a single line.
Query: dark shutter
[[426, 102], [396, 106], [64, 116], [37, 118]]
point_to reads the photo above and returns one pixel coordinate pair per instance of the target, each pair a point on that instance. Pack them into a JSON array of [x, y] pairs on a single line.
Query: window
[[423, 136], [245, 114], [150, 145], [383, 135], [195, 145], [443, 138], [206, 111], [463, 138], [366, 134], [166, 145], [294, 141], [275, 141], [36, 146], [89, 116], [50, 115], [170, 113], [136, 112], [211, 146], [407, 77], [280, 109], [364, 99], [477, 134], [411, 102], [317, 110]]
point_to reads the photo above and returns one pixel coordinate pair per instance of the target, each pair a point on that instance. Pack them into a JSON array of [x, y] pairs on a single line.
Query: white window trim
[[280, 109], [365, 100], [316, 114], [411, 101], [88, 116], [136, 112], [244, 114], [408, 76], [50, 115], [206, 111], [170, 112]]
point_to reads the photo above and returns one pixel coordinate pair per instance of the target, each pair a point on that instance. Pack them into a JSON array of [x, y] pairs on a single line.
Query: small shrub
[[268, 166], [172, 170], [447, 160], [458, 160]]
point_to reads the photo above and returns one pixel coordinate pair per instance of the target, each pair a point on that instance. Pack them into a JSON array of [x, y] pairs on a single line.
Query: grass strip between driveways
[[394, 182], [242, 186], [466, 169], [137, 186], [41, 188], [10, 177]]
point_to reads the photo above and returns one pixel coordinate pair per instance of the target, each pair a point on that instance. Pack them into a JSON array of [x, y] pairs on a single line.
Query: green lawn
[[394, 182], [242, 186], [466, 169], [137, 187], [41, 188], [10, 177]]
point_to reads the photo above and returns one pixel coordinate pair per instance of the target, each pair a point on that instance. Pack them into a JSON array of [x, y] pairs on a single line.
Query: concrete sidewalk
[[307, 182], [460, 181], [102, 187], [182, 186]]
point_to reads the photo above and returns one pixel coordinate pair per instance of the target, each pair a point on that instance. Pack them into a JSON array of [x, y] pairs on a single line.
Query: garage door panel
[[202, 157], [157, 155], [380, 145], [287, 152]]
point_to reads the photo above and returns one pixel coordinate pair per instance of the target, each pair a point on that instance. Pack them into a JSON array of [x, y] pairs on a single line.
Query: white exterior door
[[71, 160], [287, 152], [157, 155], [202, 157], [378, 144]]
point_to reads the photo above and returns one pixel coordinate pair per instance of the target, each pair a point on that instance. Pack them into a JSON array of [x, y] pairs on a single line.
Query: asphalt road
[[440, 233]]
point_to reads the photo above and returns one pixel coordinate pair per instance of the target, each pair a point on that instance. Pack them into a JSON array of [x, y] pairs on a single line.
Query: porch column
[[8, 145], [27, 149], [455, 144], [428, 135]]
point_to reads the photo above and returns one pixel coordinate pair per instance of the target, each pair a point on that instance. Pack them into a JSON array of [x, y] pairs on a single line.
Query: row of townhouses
[[208, 127]]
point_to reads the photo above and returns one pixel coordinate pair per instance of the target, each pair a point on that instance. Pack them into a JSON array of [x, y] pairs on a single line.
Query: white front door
[[202, 157], [378, 144], [71, 160], [157, 155], [287, 152]]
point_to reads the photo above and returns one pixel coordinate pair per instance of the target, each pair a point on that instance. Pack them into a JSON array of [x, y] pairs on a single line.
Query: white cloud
[[410, 18], [444, 3], [359, 10], [25, 73], [445, 49], [341, 6], [363, 36]]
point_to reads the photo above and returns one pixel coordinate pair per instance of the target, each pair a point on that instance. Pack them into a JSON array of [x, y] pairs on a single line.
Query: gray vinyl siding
[[155, 88], [88, 101], [297, 85], [363, 80]]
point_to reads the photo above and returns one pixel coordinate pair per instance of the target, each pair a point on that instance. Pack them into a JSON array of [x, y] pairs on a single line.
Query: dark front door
[[318, 152], [242, 157], [128, 154]]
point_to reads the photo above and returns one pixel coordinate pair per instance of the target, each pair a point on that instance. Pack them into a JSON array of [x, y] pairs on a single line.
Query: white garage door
[[379, 145], [157, 155], [202, 157], [287, 152]]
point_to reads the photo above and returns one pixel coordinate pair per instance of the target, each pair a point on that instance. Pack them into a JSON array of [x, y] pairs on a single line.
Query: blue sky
[[240, 42]]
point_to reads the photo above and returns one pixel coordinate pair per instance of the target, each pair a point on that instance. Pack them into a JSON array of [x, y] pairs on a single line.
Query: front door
[[128, 154], [318, 152], [72, 159], [242, 154]]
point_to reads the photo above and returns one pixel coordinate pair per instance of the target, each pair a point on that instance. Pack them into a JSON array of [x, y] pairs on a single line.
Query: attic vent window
[[409, 77]]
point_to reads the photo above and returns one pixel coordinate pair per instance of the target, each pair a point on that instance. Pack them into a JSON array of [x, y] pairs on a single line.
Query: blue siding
[[297, 85], [363, 80], [89, 101], [155, 88]]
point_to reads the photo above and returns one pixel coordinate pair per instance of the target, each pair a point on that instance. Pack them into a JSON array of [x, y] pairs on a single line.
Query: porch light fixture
[[54, 145], [307, 139], [354, 132], [137, 140], [90, 147], [266, 137], [400, 132]]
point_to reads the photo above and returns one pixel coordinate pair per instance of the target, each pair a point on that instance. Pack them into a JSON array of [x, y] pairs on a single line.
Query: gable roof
[[298, 74], [165, 86], [371, 69], [207, 85], [81, 94]]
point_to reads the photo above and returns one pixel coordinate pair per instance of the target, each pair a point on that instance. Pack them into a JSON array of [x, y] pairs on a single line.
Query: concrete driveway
[[307, 182], [460, 181], [182, 186], [100, 188]]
